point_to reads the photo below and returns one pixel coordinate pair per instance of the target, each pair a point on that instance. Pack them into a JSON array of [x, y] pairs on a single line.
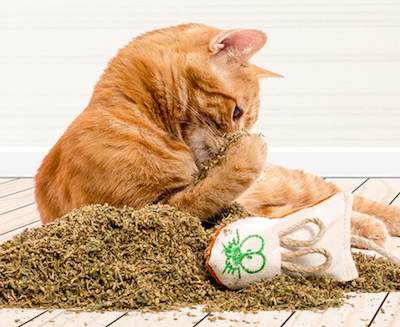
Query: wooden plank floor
[[18, 211]]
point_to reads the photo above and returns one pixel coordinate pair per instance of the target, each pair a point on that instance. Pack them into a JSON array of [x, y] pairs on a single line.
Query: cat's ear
[[263, 73], [242, 44]]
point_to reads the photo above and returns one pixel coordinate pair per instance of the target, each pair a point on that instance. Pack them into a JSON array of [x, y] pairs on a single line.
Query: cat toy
[[311, 241]]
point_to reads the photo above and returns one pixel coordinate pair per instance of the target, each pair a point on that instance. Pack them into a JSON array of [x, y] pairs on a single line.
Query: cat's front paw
[[249, 154], [369, 227]]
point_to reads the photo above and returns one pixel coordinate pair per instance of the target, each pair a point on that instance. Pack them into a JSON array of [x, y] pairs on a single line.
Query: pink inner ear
[[242, 44]]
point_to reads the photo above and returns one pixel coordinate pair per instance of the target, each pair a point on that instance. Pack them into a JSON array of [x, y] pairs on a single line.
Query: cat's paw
[[391, 217], [389, 214], [249, 154], [369, 227]]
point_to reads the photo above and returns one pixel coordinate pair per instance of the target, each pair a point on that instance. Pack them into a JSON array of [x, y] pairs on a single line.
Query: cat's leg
[[389, 215], [282, 190], [224, 183]]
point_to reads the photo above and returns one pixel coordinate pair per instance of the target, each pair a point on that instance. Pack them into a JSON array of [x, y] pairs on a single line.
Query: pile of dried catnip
[[103, 258]]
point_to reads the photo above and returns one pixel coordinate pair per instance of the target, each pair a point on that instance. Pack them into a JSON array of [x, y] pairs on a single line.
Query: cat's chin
[[202, 154], [203, 146], [203, 151]]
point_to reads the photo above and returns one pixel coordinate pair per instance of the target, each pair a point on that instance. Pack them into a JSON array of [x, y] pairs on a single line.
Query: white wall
[[340, 59]]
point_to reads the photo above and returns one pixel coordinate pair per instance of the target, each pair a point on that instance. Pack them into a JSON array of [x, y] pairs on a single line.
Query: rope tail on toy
[[370, 245]]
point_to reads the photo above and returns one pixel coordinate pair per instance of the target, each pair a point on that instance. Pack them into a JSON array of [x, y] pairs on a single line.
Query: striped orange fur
[[158, 111]]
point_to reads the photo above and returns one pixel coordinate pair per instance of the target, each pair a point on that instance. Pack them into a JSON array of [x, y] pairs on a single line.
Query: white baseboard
[[20, 161], [324, 162], [340, 162]]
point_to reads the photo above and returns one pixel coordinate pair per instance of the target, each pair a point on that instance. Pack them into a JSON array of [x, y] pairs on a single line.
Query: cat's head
[[195, 81]]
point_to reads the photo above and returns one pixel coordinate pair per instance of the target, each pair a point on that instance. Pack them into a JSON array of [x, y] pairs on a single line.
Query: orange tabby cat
[[159, 110]]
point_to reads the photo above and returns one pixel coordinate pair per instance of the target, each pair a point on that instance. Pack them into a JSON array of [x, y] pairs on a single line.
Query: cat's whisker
[[265, 201], [214, 130]]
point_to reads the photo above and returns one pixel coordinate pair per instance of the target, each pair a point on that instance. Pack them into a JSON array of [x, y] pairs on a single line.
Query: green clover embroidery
[[235, 256]]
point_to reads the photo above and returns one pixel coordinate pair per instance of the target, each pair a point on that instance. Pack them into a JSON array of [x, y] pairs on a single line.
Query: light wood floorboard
[[18, 211]]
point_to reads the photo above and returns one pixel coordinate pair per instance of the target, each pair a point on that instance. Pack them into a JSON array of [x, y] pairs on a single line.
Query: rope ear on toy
[[254, 248], [289, 243]]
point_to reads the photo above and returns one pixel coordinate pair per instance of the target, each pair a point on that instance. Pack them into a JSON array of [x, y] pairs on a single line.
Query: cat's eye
[[236, 112]]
